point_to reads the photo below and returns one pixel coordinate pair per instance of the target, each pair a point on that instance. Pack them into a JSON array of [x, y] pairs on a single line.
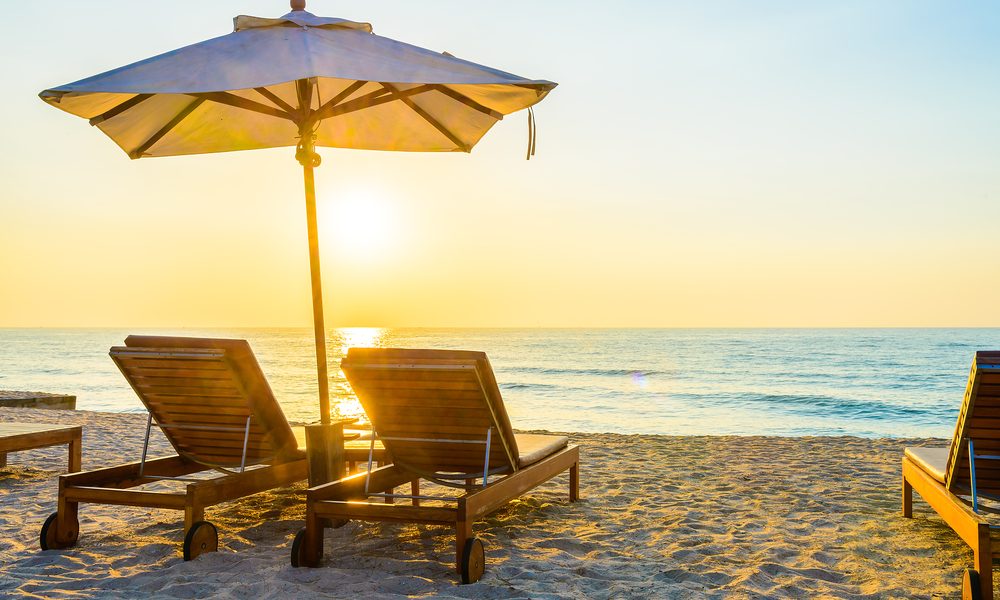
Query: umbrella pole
[[324, 441], [307, 159]]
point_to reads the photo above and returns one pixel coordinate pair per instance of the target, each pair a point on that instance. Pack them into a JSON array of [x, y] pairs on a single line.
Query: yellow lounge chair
[[212, 402], [953, 485], [440, 415]]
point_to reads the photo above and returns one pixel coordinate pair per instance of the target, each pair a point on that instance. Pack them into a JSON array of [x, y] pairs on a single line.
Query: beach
[[660, 517]]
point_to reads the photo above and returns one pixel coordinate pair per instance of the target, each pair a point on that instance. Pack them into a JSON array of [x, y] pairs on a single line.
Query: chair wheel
[[201, 538], [51, 538], [298, 549], [970, 585], [473, 560]]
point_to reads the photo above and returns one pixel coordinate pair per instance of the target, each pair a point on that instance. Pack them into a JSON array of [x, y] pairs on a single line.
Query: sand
[[661, 517]]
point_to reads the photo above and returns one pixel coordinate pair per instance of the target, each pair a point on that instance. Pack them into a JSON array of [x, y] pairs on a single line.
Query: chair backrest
[[979, 419], [201, 392], [432, 408]]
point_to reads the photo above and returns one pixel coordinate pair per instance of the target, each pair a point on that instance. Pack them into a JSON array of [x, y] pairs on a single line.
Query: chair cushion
[[533, 447], [932, 461]]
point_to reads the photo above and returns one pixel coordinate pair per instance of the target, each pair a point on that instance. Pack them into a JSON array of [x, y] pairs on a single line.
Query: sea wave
[[596, 372], [744, 382]]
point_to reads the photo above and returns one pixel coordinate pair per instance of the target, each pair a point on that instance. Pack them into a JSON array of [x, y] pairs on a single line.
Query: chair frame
[[113, 485], [965, 517], [347, 500], [335, 503]]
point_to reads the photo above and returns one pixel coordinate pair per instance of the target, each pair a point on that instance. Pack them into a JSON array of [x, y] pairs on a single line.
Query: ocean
[[787, 382]]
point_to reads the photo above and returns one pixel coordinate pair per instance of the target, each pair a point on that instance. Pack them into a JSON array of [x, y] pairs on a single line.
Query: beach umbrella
[[304, 81]]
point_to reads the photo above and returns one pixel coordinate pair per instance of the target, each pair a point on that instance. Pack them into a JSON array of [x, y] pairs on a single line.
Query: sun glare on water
[[360, 337], [354, 337]]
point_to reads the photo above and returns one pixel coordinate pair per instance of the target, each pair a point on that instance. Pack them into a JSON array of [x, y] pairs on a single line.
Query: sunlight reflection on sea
[[865, 382]]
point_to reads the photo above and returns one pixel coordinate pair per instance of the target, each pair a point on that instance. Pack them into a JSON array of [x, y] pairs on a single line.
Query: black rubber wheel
[[48, 538], [970, 585], [201, 538], [298, 545], [473, 560], [297, 548]]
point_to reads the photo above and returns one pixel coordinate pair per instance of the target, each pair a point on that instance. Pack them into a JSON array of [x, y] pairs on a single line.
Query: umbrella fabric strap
[[532, 133]]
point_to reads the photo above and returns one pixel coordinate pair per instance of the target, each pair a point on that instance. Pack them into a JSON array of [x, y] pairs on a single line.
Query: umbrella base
[[325, 451]]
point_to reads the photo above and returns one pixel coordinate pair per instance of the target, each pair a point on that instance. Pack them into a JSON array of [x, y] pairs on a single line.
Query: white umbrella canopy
[[299, 80], [259, 86]]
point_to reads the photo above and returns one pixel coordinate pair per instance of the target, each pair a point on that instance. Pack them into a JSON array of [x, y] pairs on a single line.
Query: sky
[[701, 164]]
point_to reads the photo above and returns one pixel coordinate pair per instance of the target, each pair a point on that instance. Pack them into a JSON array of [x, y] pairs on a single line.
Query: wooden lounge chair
[[440, 415], [213, 404], [953, 485]]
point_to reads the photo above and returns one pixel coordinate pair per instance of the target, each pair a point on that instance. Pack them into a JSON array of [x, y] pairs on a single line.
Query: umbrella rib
[[274, 98], [447, 91], [368, 101], [117, 110], [244, 103], [138, 152], [427, 117], [357, 85]]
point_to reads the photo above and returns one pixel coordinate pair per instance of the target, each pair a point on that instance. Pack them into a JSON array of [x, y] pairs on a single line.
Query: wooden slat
[[234, 449], [204, 383], [258, 442], [180, 417], [125, 497], [367, 376], [983, 431], [432, 398], [141, 372], [208, 363], [413, 384], [379, 511], [226, 460], [183, 403], [192, 392]]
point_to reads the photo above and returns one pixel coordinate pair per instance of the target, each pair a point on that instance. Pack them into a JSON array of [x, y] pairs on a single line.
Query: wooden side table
[[15, 437]]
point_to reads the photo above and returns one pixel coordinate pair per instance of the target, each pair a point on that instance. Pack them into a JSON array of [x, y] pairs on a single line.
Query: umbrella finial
[[298, 4]]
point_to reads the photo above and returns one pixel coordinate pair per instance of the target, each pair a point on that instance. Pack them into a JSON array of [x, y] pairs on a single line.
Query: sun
[[358, 222]]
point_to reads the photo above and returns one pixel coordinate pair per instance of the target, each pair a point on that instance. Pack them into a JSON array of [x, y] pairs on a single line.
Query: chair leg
[[75, 456], [985, 569], [983, 556], [193, 513], [415, 491], [67, 521], [3, 459], [463, 531], [312, 542], [574, 482], [907, 499]]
